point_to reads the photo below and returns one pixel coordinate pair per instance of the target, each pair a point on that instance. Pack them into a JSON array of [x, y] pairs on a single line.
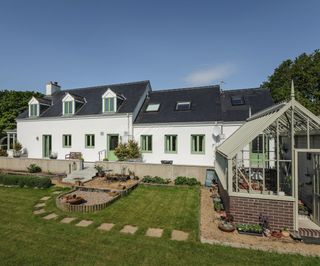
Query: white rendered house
[[183, 126]]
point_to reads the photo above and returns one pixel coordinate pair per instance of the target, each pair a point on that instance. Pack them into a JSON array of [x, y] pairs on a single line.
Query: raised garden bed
[[250, 229]]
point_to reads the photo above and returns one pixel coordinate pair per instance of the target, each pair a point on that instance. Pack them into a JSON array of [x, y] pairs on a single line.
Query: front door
[[46, 145], [316, 188], [112, 144]]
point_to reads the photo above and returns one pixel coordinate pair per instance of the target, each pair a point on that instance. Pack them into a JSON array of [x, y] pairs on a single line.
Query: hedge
[[28, 181], [189, 181], [155, 180]]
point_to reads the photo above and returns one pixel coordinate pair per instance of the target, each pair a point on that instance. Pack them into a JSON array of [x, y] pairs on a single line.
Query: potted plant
[[53, 156], [100, 171], [131, 174], [250, 229], [285, 232], [17, 149]]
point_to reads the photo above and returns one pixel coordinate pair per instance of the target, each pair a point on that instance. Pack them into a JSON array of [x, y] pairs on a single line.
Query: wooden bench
[[74, 155]]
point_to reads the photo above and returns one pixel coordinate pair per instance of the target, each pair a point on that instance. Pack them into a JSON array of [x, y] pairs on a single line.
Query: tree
[[304, 70], [12, 103]]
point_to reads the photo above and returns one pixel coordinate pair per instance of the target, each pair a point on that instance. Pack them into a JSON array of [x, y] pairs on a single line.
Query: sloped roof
[[205, 105], [258, 123], [255, 99], [131, 91]]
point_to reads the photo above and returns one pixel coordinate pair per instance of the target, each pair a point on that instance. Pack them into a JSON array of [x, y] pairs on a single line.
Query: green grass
[[149, 206], [26, 239]]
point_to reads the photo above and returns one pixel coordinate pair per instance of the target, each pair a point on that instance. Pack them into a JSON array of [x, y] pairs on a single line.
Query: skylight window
[[237, 100], [183, 106], [153, 107]]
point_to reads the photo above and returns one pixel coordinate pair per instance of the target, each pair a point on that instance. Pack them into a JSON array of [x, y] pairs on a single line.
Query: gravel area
[[209, 233], [99, 182], [90, 197]]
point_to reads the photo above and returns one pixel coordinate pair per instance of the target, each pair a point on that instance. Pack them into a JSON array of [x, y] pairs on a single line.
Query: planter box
[[250, 233]]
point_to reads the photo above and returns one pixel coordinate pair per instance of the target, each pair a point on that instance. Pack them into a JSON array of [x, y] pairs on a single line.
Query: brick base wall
[[247, 210]]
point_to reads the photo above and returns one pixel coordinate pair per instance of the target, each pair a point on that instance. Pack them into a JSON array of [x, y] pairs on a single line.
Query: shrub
[[28, 181], [33, 168], [3, 153], [17, 146], [121, 151], [126, 151], [183, 180], [155, 180]]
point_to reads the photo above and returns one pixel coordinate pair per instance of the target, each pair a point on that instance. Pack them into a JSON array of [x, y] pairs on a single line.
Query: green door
[[113, 141], [46, 145]]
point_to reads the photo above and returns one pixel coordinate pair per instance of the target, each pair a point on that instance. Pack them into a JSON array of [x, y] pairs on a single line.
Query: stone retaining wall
[[162, 170], [247, 210], [47, 165]]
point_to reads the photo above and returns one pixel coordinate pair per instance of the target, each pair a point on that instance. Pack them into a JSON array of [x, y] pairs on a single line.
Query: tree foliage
[[304, 70], [11, 104]]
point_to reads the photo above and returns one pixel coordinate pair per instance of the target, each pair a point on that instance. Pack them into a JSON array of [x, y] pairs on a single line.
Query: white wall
[[30, 133], [184, 132]]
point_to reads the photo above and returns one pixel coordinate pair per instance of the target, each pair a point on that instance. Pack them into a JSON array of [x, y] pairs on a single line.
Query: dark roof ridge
[[101, 86], [187, 88], [245, 89]]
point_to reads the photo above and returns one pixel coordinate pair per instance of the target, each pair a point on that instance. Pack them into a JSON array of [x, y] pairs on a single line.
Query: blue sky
[[172, 43]]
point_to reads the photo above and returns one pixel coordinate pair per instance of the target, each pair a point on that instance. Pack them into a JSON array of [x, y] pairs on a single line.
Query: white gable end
[[33, 101], [109, 94]]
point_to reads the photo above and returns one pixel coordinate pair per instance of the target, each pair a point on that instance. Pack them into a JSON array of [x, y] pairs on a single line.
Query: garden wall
[[47, 165], [247, 210], [162, 170]]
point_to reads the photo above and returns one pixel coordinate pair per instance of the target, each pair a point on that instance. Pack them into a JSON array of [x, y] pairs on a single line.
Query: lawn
[[26, 239]]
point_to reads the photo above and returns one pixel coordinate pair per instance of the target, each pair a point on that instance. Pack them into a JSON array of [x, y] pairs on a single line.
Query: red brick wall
[[247, 210]]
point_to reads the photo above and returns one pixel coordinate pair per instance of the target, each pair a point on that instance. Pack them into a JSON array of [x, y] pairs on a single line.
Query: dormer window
[[183, 106], [71, 103], [110, 101], [153, 107], [109, 104], [33, 110], [68, 108]]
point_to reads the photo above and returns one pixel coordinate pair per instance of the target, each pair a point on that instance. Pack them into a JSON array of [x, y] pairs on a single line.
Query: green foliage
[[250, 228], [133, 150], [304, 71], [3, 153], [28, 181], [217, 206], [121, 151], [126, 151], [33, 168], [11, 104], [183, 180], [155, 180], [17, 146]]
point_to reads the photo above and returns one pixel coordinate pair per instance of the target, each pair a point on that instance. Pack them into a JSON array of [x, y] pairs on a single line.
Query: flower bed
[[250, 229]]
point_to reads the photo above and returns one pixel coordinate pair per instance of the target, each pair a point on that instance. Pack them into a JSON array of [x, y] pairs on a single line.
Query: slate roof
[[255, 98], [131, 91], [205, 105], [44, 101]]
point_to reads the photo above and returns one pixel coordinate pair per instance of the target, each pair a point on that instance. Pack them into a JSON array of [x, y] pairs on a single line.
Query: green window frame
[[66, 141], [68, 107], [33, 110], [146, 143], [89, 140], [109, 104], [198, 144], [171, 143]]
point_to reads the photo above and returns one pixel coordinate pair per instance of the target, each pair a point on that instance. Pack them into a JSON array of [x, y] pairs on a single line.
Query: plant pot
[[226, 227], [249, 233], [285, 233]]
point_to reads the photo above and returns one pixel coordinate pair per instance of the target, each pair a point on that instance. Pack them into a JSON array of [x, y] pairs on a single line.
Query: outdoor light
[[37, 138]]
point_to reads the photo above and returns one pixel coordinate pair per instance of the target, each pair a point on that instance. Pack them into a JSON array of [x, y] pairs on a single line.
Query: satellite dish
[[216, 131]]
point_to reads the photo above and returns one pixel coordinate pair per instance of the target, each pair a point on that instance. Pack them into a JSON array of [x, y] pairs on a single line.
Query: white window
[[68, 107], [153, 107], [33, 110], [109, 105], [183, 106], [109, 101]]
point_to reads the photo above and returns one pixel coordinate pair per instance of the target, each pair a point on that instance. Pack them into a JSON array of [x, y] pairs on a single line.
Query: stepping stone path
[[67, 220], [45, 198], [84, 223], [39, 205], [41, 211], [50, 216], [106, 226], [129, 229], [154, 232], [179, 235]]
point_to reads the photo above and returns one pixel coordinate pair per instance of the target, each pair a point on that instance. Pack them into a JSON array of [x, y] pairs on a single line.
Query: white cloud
[[209, 75]]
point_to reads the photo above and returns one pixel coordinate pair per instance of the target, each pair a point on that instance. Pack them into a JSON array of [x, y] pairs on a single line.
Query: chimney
[[52, 87]]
